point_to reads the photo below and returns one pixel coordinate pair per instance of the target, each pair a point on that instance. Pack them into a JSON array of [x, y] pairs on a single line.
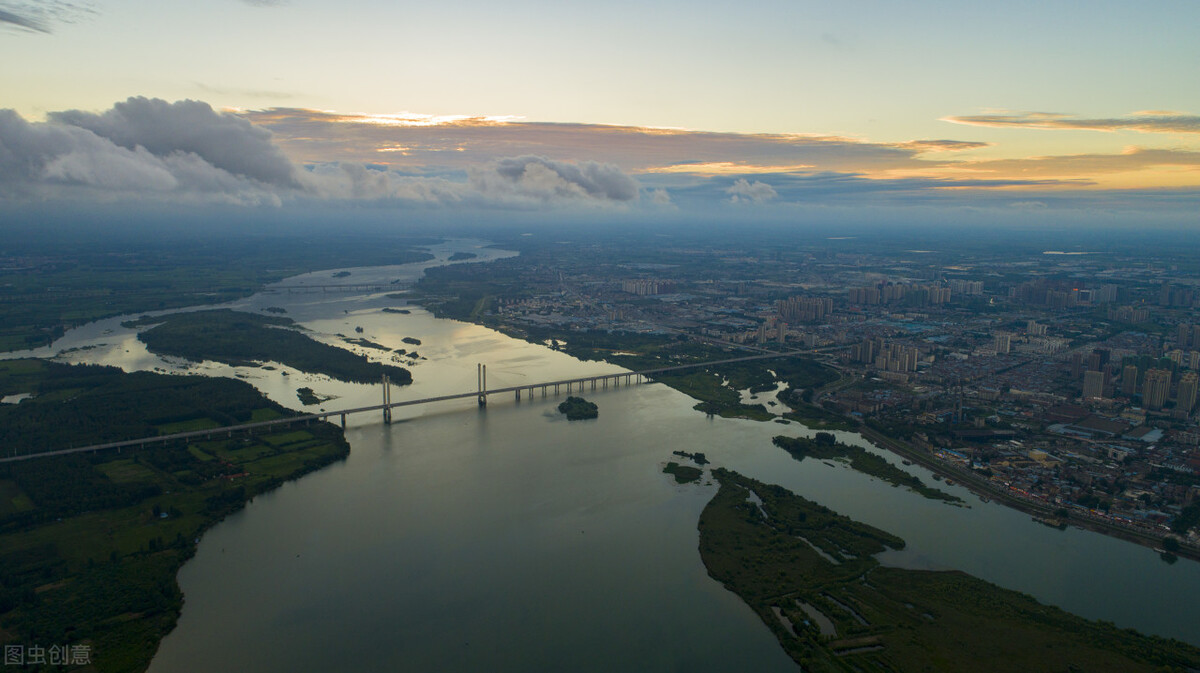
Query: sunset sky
[[647, 108]]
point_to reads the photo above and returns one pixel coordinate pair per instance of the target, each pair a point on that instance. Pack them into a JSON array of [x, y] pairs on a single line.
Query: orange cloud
[[1147, 121]]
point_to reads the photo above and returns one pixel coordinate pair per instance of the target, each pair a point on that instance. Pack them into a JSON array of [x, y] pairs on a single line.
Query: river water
[[509, 539]]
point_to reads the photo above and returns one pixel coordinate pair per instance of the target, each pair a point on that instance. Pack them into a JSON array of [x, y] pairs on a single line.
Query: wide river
[[509, 539]]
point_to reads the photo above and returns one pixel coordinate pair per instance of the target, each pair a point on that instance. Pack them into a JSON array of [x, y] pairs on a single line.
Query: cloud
[[151, 149], [25, 22], [227, 142], [923, 146], [54, 160], [548, 180], [265, 3], [744, 191], [660, 197], [513, 182], [1149, 121], [456, 142], [41, 17], [1131, 160]]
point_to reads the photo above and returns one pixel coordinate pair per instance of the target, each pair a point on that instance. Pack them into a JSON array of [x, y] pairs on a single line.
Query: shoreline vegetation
[[811, 576], [90, 540], [238, 339], [824, 446]]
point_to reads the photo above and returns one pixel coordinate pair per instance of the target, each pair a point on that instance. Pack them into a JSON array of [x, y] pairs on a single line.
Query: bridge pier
[[518, 391], [343, 421]]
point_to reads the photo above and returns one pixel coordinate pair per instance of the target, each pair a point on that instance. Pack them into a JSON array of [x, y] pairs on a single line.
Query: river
[[509, 539]]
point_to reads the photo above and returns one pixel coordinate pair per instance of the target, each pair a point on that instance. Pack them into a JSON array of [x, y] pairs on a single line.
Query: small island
[[824, 446], [460, 256], [697, 458], [683, 473], [412, 340], [401, 311], [341, 274], [307, 396], [365, 343], [245, 339], [578, 409]]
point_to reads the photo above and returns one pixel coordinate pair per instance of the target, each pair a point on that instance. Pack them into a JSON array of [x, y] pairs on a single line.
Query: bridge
[[337, 287], [481, 394]]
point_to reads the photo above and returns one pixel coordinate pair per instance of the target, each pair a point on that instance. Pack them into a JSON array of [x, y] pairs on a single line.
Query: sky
[[755, 109]]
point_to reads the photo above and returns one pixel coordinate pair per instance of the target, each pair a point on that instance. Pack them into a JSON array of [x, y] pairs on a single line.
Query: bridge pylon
[[481, 377], [387, 400]]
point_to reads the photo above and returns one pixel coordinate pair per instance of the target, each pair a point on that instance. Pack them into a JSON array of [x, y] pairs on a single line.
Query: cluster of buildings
[[912, 294], [973, 361]]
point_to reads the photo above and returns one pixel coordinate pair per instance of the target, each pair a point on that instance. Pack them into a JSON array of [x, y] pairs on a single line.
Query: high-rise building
[[1155, 388], [1183, 336], [1129, 380], [1106, 294], [1185, 398], [865, 351], [1093, 384], [1077, 361], [967, 287], [1003, 342], [805, 309]]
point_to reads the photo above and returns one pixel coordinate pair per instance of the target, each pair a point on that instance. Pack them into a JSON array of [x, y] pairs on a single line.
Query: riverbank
[[981, 486]]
